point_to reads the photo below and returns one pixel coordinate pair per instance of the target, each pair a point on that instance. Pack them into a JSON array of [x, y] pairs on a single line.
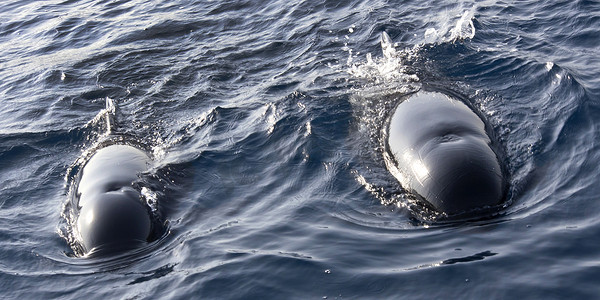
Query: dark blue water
[[265, 121]]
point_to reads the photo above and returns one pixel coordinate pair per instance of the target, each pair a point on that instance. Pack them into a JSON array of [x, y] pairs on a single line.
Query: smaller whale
[[112, 216], [441, 152]]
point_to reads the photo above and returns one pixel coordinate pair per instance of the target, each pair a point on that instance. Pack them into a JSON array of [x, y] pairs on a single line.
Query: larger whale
[[442, 153], [112, 216]]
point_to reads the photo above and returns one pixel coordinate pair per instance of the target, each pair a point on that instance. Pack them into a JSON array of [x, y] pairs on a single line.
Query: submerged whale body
[[112, 216], [442, 153]]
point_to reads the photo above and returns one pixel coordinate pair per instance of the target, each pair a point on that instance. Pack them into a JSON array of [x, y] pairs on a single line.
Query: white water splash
[[464, 28], [159, 151], [151, 198], [392, 68], [451, 28], [389, 69]]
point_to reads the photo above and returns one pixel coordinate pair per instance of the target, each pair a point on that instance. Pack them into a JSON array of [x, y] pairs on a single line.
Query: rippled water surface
[[265, 121]]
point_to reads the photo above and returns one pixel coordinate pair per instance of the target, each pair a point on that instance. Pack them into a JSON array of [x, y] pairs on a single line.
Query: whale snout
[[114, 221], [463, 175]]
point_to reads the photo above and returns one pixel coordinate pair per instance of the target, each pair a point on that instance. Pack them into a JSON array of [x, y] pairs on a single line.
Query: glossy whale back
[[443, 153], [112, 215]]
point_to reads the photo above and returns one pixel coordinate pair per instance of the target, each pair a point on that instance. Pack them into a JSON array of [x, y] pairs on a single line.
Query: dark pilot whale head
[[112, 216], [442, 153]]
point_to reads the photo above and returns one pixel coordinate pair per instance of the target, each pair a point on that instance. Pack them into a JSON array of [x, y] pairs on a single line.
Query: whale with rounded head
[[109, 212], [112, 216], [442, 153]]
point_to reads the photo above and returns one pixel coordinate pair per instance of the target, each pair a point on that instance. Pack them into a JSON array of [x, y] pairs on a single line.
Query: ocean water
[[265, 122]]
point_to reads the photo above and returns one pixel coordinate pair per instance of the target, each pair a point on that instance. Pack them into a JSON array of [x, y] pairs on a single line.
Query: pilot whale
[[112, 216], [442, 153]]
